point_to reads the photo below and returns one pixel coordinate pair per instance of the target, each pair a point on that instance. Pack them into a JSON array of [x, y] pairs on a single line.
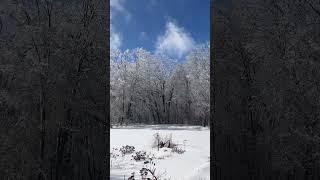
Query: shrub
[[140, 155], [161, 142], [127, 149], [178, 150], [148, 171]]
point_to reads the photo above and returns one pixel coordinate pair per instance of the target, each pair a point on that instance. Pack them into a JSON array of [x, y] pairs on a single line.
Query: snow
[[193, 164]]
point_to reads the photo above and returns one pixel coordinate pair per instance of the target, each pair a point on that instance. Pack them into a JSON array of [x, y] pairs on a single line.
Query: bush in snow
[[140, 155], [163, 141], [127, 150], [113, 154], [178, 150], [148, 171]]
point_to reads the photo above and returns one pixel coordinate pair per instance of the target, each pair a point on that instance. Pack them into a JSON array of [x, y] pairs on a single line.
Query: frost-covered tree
[[149, 88], [198, 68]]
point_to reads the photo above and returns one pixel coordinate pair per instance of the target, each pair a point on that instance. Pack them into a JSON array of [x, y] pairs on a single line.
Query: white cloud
[[118, 6], [175, 41], [115, 39], [118, 9]]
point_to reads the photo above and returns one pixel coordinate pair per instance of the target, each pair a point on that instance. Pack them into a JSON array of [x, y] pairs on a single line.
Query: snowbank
[[192, 164]]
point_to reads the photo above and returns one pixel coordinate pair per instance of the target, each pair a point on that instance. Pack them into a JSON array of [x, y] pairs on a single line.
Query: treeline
[[154, 89], [53, 89], [266, 90]]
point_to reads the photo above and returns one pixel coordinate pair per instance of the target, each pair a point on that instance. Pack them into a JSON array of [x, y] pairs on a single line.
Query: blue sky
[[172, 27]]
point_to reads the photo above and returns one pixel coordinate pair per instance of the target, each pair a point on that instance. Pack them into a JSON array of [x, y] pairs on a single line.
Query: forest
[[151, 88], [54, 110], [265, 93]]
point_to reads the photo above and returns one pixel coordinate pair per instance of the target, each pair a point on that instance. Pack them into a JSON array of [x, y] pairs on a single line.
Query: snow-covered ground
[[193, 164]]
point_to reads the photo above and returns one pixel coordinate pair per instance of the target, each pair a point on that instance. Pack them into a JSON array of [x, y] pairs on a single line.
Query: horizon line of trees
[[155, 89]]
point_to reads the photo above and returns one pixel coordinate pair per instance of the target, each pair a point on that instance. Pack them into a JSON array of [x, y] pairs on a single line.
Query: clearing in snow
[[184, 155]]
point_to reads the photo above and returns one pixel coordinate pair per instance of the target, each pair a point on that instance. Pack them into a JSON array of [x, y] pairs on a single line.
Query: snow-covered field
[[192, 164]]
